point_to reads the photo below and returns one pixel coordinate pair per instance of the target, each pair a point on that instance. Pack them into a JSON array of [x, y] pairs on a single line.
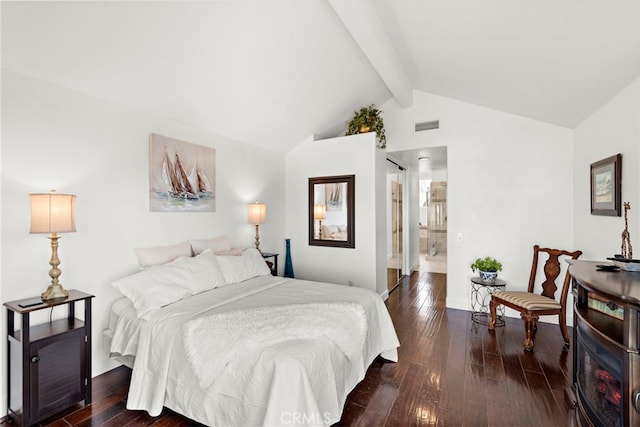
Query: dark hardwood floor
[[451, 371]]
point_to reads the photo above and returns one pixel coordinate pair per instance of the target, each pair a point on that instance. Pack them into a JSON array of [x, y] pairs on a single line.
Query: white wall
[[364, 265], [509, 184], [439, 175], [614, 128], [56, 138]]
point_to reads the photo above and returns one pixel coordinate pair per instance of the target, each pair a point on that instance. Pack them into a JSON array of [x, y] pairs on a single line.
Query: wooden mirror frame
[[350, 241]]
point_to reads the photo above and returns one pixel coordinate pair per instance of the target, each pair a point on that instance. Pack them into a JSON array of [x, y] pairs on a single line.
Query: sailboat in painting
[[182, 176], [180, 185], [334, 196]]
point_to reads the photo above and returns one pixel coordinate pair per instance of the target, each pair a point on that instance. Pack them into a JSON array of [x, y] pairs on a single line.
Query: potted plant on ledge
[[368, 119], [488, 268]]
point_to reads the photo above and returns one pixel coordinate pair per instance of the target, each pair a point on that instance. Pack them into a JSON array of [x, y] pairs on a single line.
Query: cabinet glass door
[[395, 219], [600, 380]]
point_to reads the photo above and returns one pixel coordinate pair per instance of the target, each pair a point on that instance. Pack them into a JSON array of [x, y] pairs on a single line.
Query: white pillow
[[150, 289], [164, 284], [233, 251], [201, 272], [216, 244], [246, 266], [328, 230], [161, 254]]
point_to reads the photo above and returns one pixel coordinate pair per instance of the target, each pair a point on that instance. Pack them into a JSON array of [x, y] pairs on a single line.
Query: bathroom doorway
[[425, 208], [433, 226]]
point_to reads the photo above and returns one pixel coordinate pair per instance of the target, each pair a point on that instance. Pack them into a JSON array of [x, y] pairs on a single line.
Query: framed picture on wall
[[606, 181], [182, 176], [332, 211]]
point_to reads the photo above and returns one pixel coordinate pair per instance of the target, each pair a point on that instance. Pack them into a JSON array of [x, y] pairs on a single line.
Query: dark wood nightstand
[[49, 365], [273, 265]]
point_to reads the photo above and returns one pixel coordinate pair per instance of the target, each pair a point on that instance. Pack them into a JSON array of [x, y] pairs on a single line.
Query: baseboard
[[459, 304], [385, 295]]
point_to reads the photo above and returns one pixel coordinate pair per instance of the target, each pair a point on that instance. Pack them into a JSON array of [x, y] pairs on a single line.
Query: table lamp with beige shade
[[53, 213], [257, 216]]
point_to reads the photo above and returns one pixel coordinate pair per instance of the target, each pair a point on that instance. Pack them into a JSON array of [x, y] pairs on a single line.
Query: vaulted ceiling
[[273, 72]]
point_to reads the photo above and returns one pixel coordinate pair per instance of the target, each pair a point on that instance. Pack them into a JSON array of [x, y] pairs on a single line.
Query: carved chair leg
[[563, 328], [530, 327], [492, 309]]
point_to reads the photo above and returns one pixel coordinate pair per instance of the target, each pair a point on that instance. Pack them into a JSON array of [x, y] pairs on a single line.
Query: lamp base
[[257, 242], [54, 292]]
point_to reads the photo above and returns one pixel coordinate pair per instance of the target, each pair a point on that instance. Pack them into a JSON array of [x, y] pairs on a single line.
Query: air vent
[[435, 124]]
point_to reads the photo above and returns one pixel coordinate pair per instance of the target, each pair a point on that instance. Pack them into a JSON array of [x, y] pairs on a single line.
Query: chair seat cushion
[[527, 300]]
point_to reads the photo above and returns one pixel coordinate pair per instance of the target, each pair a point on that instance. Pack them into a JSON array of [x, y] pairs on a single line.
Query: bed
[[251, 349], [334, 232]]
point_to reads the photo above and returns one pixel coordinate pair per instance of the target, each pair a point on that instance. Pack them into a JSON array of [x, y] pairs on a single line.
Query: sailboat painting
[[181, 176]]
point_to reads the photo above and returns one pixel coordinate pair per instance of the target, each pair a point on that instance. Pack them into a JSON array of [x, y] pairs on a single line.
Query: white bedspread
[[295, 382], [239, 337]]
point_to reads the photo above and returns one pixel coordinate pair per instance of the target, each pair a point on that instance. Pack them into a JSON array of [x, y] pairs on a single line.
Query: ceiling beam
[[364, 24]]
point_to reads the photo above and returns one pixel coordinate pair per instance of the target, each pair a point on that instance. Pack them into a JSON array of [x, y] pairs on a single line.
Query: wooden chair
[[530, 305]]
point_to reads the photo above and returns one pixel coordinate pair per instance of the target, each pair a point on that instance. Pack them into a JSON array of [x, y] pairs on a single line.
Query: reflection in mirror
[[331, 208], [331, 211]]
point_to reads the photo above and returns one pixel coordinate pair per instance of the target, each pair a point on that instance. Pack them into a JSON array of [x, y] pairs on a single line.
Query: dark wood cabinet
[[48, 365], [606, 350]]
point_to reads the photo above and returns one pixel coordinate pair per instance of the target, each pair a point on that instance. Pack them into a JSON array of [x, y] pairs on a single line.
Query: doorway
[[433, 226], [425, 208]]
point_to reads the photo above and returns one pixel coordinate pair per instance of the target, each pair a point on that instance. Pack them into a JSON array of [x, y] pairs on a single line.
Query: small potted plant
[[488, 268], [368, 119]]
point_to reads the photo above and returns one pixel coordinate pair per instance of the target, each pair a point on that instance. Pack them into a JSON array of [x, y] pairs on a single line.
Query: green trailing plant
[[486, 264], [368, 119]]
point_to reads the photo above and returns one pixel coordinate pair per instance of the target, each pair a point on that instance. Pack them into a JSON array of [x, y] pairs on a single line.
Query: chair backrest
[[552, 269]]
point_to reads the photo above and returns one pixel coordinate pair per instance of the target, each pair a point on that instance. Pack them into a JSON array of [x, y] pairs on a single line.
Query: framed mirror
[[332, 211]]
